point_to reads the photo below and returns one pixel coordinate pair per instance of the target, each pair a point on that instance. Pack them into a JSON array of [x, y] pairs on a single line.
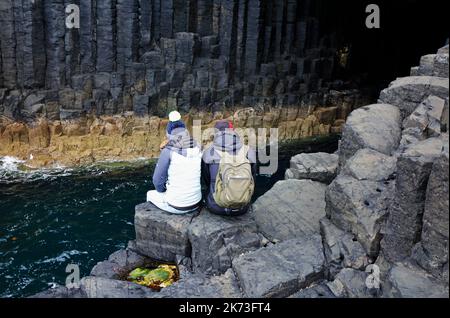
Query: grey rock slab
[[160, 235], [407, 281], [118, 264], [432, 251], [216, 240], [360, 208], [291, 209], [408, 92], [282, 269], [404, 224], [377, 127], [201, 286], [368, 164], [100, 287], [350, 283]]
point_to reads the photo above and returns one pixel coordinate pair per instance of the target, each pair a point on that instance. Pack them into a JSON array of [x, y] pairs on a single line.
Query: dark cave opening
[[409, 30]]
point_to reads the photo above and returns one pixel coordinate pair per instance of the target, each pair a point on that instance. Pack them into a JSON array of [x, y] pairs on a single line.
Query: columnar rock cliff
[[148, 56], [94, 90]]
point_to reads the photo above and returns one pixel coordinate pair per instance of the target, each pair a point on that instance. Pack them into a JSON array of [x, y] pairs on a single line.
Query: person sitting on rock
[[228, 171], [177, 173]]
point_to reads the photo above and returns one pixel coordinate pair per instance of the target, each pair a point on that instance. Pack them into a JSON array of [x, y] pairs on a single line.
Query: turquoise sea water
[[52, 218]]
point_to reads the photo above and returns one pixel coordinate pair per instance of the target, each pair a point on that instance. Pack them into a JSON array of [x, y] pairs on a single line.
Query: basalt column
[[8, 44]]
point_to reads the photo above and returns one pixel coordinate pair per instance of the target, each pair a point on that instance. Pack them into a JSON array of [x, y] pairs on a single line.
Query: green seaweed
[[157, 278]]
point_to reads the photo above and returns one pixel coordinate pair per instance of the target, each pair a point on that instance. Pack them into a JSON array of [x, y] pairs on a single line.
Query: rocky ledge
[[376, 225]]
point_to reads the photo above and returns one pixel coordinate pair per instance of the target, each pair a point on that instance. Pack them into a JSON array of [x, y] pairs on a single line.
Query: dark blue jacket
[[223, 141]]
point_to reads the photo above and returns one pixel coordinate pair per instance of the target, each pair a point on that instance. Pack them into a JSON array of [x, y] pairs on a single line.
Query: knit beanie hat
[[172, 125], [223, 125]]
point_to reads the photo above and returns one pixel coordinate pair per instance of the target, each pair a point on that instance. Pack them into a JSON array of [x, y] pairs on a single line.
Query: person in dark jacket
[[225, 139]]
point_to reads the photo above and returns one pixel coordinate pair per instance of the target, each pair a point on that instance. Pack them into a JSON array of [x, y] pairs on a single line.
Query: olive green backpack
[[234, 183]]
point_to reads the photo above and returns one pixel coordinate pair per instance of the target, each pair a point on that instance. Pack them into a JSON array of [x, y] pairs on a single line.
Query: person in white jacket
[[177, 176]]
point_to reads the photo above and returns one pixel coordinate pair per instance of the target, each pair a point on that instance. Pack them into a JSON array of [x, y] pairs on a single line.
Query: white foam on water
[[12, 170], [63, 257], [10, 164]]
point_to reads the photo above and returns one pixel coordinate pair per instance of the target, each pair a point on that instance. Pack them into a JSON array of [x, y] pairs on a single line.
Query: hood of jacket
[[180, 140], [227, 141]]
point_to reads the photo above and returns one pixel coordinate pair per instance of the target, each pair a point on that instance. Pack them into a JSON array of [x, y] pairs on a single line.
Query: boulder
[[160, 235], [408, 92], [357, 201], [216, 240], [341, 249], [291, 209], [320, 167], [432, 251], [200, 286], [408, 281], [100, 287], [350, 283], [404, 224], [377, 127], [282, 269]]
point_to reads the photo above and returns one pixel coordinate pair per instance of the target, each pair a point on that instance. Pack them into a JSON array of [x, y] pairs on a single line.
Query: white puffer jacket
[[183, 181]]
